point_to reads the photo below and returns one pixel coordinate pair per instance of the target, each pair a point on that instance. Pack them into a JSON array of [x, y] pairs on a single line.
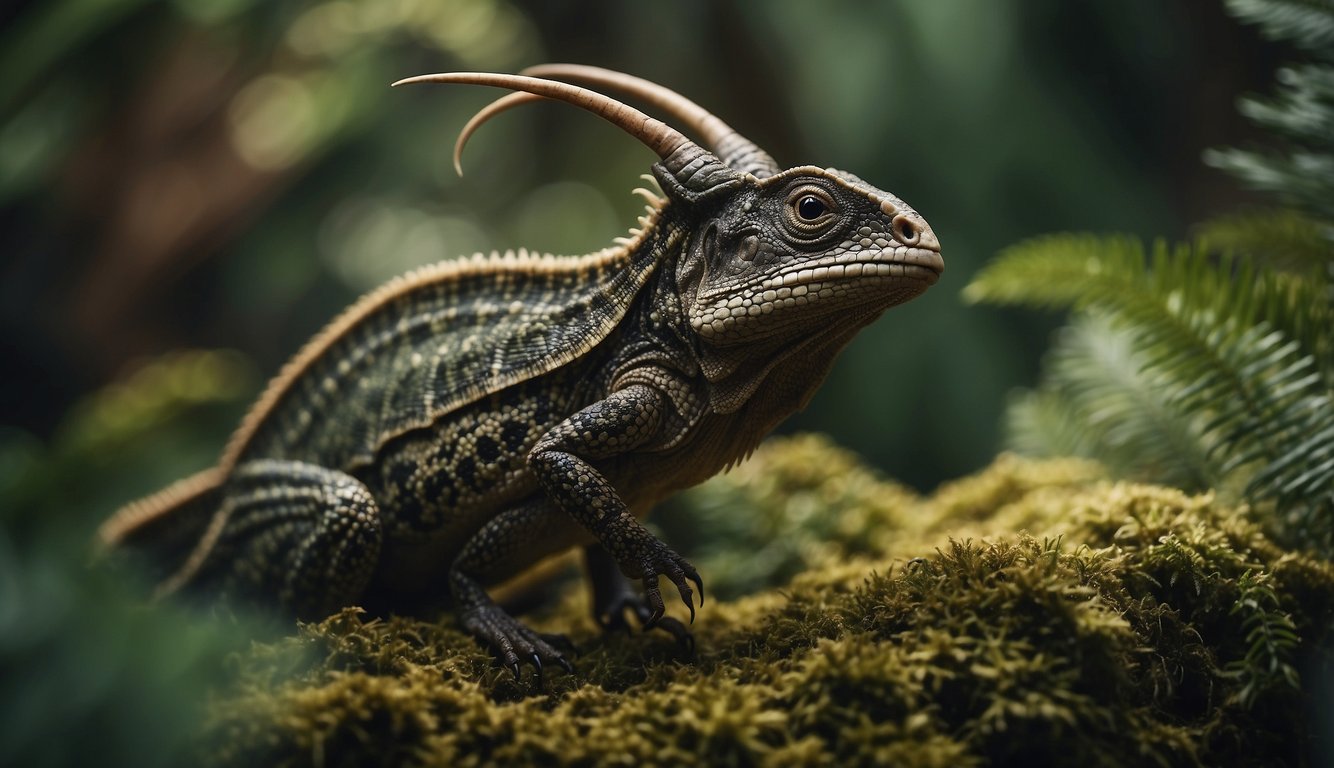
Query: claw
[[693, 575], [685, 598], [654, 600], [567, 666], [514, 644]]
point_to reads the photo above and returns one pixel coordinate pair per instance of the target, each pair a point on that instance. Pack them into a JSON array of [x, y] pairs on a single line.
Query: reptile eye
[[810, 208], [809, 212]]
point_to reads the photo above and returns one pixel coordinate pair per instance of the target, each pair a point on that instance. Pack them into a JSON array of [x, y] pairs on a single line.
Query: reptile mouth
[[921, 264]]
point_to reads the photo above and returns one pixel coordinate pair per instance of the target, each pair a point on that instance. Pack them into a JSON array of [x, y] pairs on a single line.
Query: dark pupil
[[810, 208]]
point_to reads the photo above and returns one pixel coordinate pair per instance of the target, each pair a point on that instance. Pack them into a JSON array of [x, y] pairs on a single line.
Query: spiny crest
[[521, 261], [134, 515]]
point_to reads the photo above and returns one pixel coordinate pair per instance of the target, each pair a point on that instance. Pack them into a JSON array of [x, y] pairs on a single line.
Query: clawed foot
[[649, 610], [662, 561], [612, 619], [513, 643]]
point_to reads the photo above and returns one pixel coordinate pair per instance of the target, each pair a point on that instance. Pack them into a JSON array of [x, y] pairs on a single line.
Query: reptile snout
[[913, 231], [922, 256]]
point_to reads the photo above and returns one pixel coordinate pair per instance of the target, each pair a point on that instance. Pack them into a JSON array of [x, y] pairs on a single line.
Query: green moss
[[1145, 627]]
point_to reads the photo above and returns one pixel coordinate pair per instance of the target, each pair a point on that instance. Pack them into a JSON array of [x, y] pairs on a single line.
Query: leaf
[[1182, 367], [1309, 23]]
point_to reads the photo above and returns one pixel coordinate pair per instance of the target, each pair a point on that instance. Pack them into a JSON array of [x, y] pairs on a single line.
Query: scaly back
[[435, 340]]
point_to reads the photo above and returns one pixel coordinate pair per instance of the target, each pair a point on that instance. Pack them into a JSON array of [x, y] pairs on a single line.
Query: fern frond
[[1300, 109], [1308, 23], [1271, 638], [1302, 114], [1098, 399], [1299, 251], [1195, 366], [1075, 270], [1057, 271], [1046, 422], [1301, 178], [1282, 238], [1231, 351]]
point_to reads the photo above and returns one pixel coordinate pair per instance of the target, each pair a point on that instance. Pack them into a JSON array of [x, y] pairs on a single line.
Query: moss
[[1146, 626]]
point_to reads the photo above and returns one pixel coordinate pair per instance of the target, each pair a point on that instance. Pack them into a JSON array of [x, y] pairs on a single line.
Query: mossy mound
[[1143, 627]]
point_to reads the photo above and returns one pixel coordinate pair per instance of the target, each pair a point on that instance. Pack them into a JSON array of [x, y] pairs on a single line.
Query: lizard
[[467, 420]]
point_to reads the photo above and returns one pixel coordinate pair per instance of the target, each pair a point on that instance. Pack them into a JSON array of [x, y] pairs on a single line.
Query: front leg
[[625, 420], [613, 595]]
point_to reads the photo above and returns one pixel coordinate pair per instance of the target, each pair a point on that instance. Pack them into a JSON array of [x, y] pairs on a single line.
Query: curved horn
[[655, 134], [502, 104], [694, 169], [718, 137]]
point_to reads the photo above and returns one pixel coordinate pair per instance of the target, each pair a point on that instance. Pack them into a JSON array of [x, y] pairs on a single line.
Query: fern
[[1189, 369], [1308, 23], [1271, 640], [1286, 240], [1096, 377], [1208, 364], [1300, 170]]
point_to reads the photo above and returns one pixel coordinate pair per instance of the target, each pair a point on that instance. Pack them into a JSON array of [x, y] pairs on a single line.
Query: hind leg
[[509, 542], [295, 534]]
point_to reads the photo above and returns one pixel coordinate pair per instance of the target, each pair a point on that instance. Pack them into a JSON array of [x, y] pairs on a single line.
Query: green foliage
[[1271, 639], [1301, 173], [1301, 170], [1100, 399], [1207, 365], [1309, 23], [1184, 368], [80, 651], [1283, 239], [1151, 628]]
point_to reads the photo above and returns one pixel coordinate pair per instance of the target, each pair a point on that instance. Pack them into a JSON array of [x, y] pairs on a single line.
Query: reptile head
[[804, 249], [774, 258]]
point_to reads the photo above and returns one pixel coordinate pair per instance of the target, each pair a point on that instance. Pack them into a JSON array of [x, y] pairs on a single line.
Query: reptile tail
[[161, 533]]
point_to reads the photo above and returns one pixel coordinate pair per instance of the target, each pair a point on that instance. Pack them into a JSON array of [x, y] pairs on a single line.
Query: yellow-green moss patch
[[1145, 627]]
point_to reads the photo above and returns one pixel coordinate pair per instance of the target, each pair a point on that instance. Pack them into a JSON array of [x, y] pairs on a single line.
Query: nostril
[[906, 229]]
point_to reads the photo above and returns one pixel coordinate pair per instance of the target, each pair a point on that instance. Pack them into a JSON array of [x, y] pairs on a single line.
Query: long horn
[[504, 103], [735, 150], [655, 134], [692, 167], [690, 170], [718, 137]]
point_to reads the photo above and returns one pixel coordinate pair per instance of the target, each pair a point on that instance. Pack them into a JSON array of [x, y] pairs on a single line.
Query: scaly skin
[[469, 420]]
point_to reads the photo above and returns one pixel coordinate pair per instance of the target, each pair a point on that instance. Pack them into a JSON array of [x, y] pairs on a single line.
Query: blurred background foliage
[[185, 175]]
